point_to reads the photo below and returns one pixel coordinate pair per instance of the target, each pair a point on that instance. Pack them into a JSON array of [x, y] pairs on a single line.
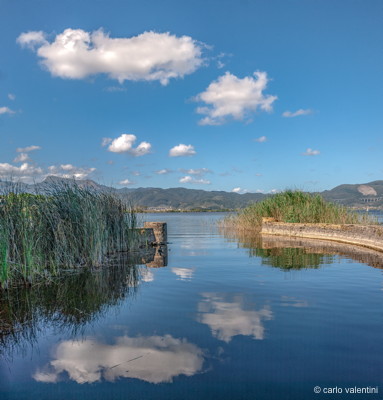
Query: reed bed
[[66, 227], [293, 206]]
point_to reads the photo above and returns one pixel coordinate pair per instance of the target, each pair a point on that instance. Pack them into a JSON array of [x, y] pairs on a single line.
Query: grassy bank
[[294, 206], [65, 228]]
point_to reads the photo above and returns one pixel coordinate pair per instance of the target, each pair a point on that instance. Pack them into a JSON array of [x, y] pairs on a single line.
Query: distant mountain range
[[357, 195]]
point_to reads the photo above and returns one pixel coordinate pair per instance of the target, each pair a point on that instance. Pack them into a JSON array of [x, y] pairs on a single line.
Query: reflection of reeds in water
[[294, 206], [66, 304], [296, 253], [291, 258], [286, 258], [67, 227]]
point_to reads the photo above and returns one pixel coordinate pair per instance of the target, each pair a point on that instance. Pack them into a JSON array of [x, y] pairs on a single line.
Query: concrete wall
[[368, 236]]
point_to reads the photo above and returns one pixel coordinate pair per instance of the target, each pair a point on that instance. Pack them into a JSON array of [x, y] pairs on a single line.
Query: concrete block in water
[[160, 231], [145, 237]]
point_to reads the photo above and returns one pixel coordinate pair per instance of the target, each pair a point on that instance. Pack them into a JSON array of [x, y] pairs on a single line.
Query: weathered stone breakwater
[[370, 236]]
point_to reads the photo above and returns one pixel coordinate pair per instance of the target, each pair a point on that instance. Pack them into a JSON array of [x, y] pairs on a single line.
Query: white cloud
[[77, 54], [232, 97], [126, 182], [32, 39], [22, 157], [258, 174], [164, 171], [30, 173], [105, 141], [239, 190], [184, 274], [289, 114], [153, 359], [11, 96], [261, 139], [70, 171], [197, 172], [26, 172], [27, 149], [311, 152], [6, 110], [227, 318], [190, 179], [124, 144], [182, 150]]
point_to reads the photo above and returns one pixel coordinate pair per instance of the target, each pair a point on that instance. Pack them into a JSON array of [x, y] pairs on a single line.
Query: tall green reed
[[67, 227], [294, 206]]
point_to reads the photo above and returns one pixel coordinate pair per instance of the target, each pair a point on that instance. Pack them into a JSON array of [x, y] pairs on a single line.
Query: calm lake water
[[227, 318]]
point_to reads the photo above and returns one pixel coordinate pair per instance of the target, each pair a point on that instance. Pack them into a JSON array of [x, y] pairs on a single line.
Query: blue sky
[[217, 95]]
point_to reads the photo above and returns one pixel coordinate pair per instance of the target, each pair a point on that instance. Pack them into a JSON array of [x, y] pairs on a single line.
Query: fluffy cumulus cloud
[[182, 150], [124, 144], [22, 157], [233, 97], [25, 172], [32, 39], [311, 152], [125, 182], [27, 149], [77, 54], [190, 179], [6, 110], [261, 139], [30, 172], [289, 114], [70, 171], [239, 190], [164, 171], [153, 359], [196, 172]]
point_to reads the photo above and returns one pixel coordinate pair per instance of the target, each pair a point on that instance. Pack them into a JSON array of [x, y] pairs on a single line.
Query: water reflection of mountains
[[296, 253], [72, 301]]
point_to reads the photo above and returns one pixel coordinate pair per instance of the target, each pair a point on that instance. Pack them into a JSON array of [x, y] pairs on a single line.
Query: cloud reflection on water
[[152, 359], [184, 274], [227, 318]]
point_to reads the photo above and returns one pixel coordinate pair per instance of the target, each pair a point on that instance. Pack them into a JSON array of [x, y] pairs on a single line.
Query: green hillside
[[356, 195]]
